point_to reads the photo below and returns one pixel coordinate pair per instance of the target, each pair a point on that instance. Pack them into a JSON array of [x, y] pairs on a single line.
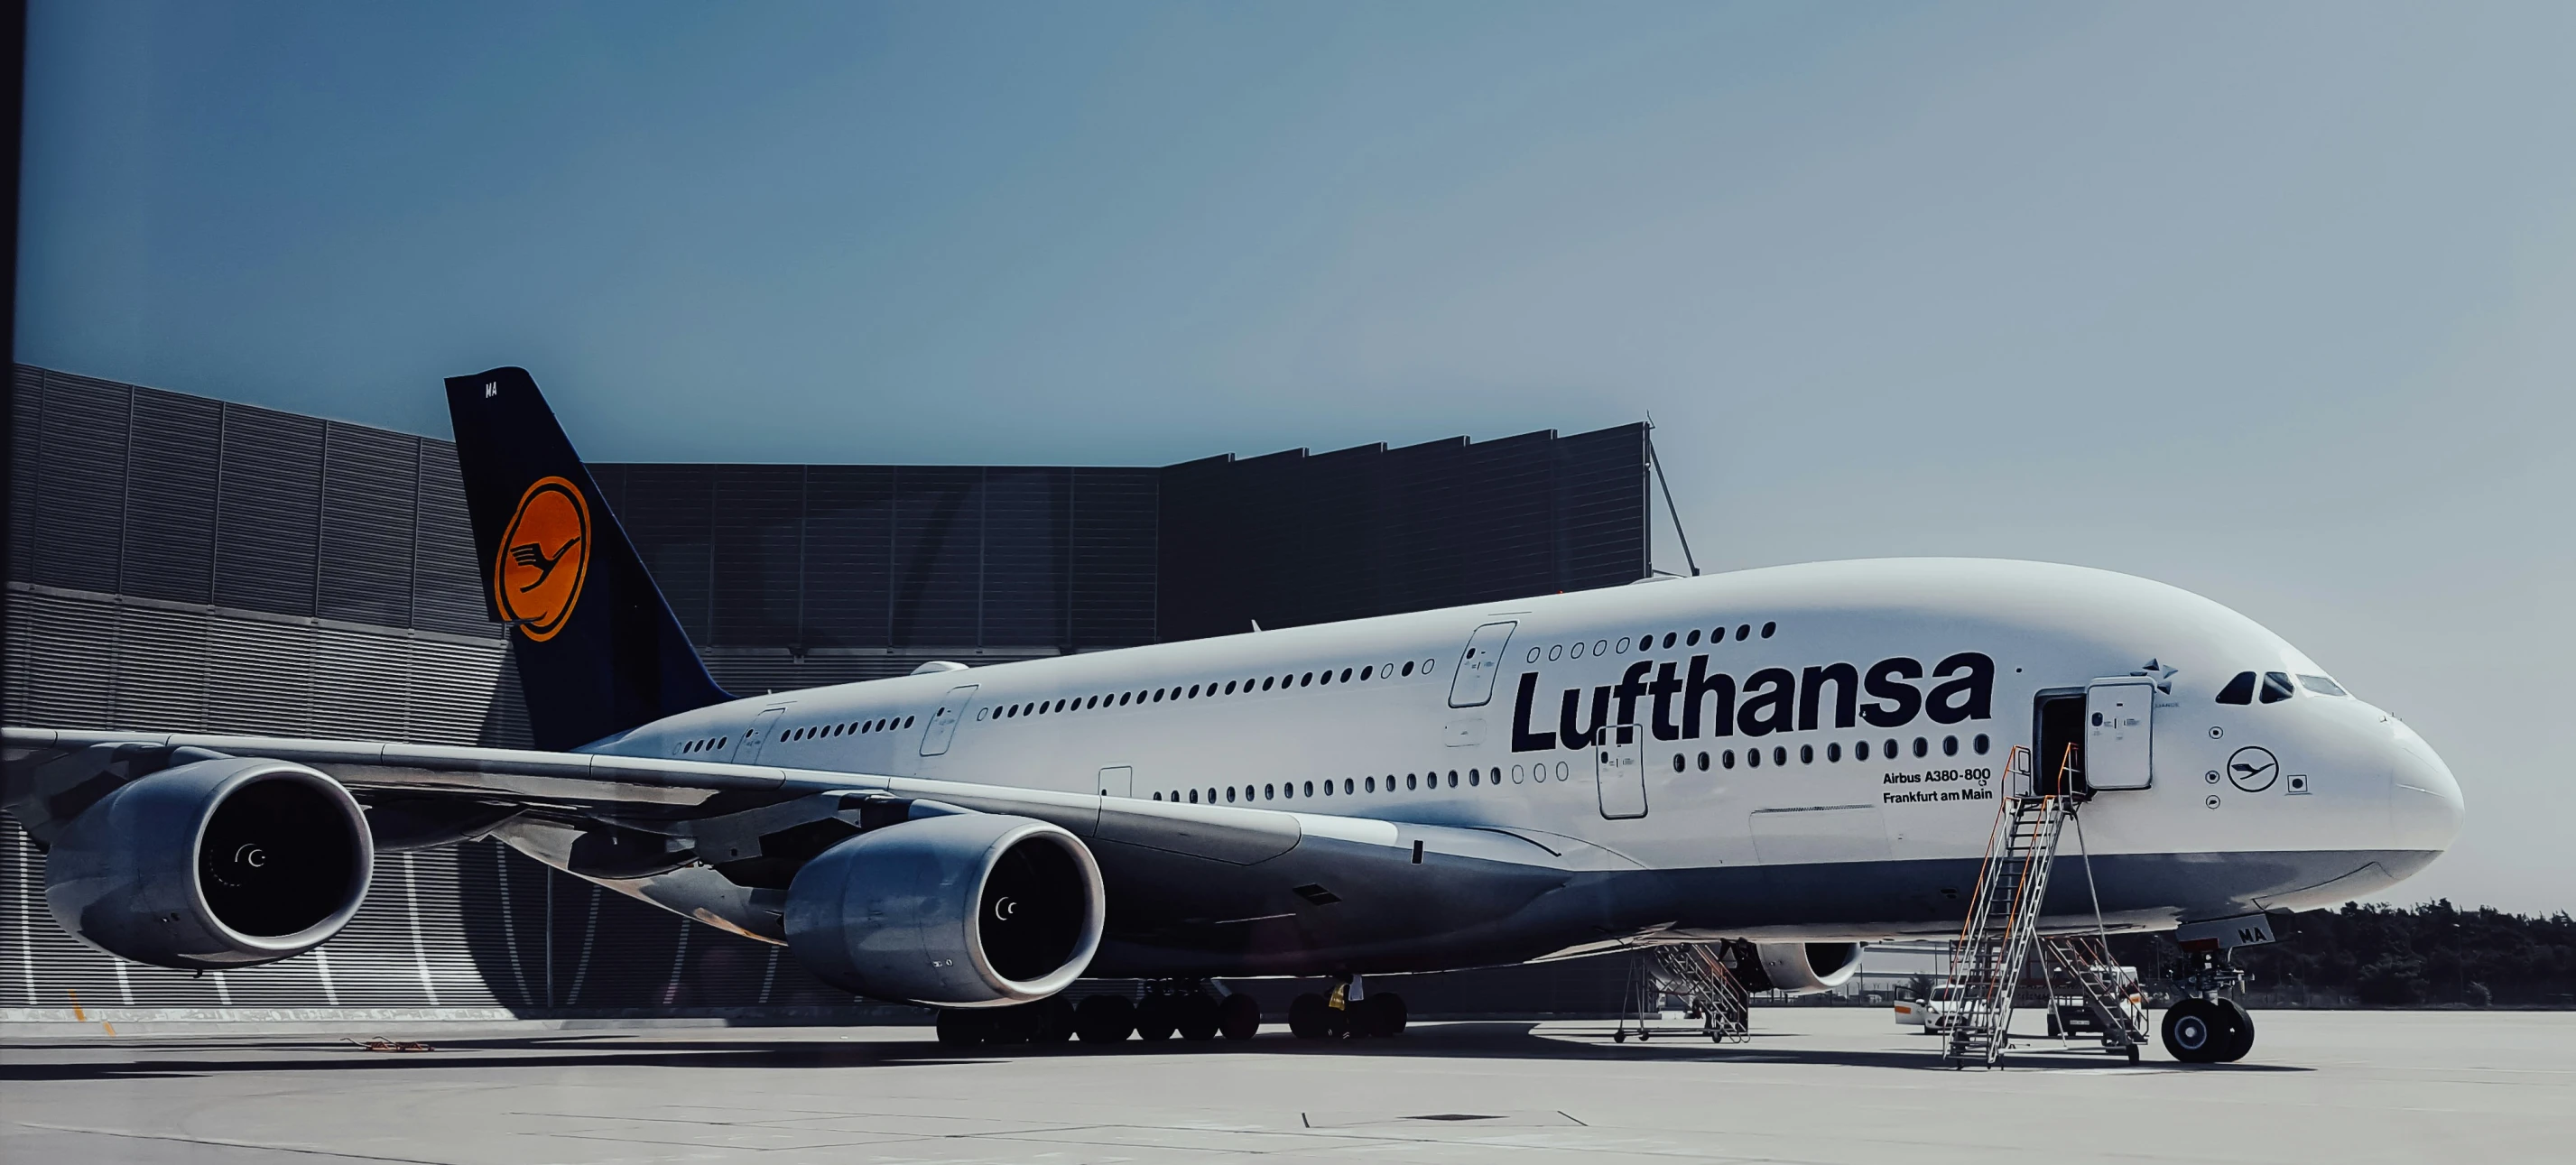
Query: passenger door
[[1473, 684], [2119, 715], [747, 750], [943, 723], [1619, 764]]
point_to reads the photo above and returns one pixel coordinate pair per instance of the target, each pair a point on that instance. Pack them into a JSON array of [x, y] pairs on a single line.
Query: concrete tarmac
[[1815, 1085]]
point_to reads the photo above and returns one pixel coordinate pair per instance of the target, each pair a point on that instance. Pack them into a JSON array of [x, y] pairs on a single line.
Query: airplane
[[1787, 761]]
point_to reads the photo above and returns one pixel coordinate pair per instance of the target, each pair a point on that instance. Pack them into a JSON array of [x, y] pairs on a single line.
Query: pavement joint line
[[229, 1144]]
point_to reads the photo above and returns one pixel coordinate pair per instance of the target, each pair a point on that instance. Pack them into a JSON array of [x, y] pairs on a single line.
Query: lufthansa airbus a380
[[1789, 761]]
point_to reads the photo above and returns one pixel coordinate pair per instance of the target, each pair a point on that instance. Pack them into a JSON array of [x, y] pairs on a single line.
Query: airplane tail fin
[[598, 649]]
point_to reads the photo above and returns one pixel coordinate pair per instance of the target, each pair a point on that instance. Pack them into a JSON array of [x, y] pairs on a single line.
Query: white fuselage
[[1888, 770]]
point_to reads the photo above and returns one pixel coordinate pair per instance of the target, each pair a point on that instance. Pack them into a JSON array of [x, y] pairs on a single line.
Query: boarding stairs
[[1696, 973], [1724, 1006], [2003, 920], [2112, 998]]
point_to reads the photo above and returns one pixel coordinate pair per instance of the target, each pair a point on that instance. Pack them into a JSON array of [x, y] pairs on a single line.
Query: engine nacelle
[[958, 911], [1805, 968], [220, 863]]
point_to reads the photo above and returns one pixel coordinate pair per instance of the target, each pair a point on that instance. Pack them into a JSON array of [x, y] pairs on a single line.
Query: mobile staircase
[[1696, 973], [2111, 1004], [2003, 918]]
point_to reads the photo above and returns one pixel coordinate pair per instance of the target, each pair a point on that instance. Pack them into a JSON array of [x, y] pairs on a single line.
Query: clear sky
[[2275, 302]]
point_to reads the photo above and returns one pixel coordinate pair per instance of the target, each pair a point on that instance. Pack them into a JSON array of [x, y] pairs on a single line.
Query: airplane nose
[[2424, 806]]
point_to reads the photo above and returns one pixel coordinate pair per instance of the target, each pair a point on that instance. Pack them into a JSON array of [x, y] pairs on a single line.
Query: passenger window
[[1453, 778], [1346, 784], [1669, 637], [1753, 758], [1768, 628], [1679, 764], [1371, 784], [1806, 754], [1981, 744], [1860, 750], [1833, 753], [1727, 758], [2276, 687], [1922, 747], [1703, 762], [2321, 685], [1949, 746], [1307, 680], [1408, 667], [2239, 690], [1346, 675], [1743, 631], [1364, 672], [1229, 687], [1265, 683], [1693, 641]]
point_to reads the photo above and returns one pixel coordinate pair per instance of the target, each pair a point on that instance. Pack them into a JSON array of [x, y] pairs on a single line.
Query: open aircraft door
[[2119, 718]]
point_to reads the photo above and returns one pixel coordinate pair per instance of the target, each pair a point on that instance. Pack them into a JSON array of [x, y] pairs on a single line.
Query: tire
[[961, 1028], [1055, 1020], [2193, 1031], [2239, 1028], [1197, 1018], [1239, 1017], [1308, 1017], [1104, 1019], [1155, 1017], [1391, 1014]]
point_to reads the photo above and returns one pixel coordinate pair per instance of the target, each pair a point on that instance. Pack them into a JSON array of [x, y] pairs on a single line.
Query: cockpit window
[[2321, 685], [2276, 687], [2239, 690]]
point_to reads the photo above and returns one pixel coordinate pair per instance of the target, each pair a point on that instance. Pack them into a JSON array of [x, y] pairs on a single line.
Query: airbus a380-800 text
[[1781, 763]]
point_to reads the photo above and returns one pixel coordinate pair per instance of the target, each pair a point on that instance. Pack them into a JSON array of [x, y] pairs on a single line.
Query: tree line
[[2429, 955]]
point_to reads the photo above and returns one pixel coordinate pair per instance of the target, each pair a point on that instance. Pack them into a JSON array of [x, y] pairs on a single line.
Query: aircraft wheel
[[2192, 1031], [1308, 1017], [1391, 1014], [961, 1028], [1198, 1018], [2239, 1026], [1239, 1017], [1104, 1019], [1155, 1017], [1054, 1016]]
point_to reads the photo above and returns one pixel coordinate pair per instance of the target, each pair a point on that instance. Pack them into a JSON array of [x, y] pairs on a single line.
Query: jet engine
[[964, 910], [1799, 968], [219, 863]]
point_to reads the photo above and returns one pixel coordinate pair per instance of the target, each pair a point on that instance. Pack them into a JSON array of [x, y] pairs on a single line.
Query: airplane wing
[[1180, 877]]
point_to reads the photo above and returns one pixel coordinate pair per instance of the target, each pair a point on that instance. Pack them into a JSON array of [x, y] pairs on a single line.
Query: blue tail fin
[[599, 651]]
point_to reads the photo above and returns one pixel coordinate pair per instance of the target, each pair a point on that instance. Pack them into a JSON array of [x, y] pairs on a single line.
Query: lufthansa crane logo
[[543, 557], [2253, 769]]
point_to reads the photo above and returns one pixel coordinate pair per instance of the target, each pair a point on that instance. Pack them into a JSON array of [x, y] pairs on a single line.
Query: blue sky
[[2272, 302]]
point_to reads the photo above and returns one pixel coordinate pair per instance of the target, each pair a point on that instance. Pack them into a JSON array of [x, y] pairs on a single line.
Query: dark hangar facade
[[181, 563]]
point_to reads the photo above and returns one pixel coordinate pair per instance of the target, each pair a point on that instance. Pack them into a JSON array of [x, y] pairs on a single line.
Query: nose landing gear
[[2206, 1027]]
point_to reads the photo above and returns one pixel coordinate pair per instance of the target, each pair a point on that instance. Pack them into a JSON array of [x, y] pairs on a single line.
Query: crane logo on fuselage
[[543, 557], [1773, 699]]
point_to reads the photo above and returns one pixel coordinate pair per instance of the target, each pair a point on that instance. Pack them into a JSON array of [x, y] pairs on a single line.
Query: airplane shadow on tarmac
[[147, 1059]]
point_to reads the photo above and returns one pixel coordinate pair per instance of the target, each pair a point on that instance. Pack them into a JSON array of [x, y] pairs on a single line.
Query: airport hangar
[[188, 564]]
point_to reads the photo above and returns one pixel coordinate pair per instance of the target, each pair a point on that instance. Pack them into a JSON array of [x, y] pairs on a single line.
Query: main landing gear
[[1189, 1010], [2206, 1027]]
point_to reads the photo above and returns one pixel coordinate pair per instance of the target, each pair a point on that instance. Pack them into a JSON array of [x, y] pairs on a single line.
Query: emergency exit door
[[1619, 764], [1473, 683], [943, 723]]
